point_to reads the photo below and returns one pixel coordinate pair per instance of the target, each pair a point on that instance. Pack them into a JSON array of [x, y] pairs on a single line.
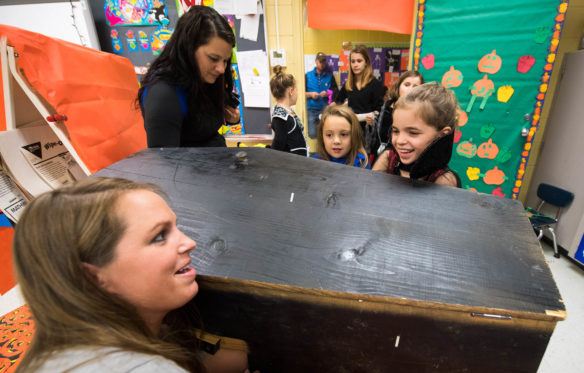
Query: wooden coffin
[[329, 268]]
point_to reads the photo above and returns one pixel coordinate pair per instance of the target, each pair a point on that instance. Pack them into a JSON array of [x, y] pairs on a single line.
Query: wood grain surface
[[282, 219]]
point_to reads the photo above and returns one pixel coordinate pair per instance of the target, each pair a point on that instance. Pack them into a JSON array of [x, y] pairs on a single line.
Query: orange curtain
[[7, 279], [381, 15], [95, 90]]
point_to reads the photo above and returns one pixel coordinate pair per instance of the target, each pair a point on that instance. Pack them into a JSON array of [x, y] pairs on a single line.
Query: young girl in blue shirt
[[339, 137]]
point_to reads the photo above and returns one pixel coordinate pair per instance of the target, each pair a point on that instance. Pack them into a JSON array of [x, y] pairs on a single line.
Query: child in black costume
[[288, 130], [422, 136]]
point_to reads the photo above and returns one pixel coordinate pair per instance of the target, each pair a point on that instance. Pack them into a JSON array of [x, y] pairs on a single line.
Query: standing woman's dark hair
[[202, 86]]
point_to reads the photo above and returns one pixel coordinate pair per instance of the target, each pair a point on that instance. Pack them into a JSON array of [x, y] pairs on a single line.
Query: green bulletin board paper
[[459, 33]]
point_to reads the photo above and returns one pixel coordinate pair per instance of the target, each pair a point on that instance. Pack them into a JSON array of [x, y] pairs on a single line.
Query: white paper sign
[[12, 201], [255, 78]]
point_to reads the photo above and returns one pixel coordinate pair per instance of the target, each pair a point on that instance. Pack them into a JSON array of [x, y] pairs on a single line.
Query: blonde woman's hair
[[367, 74], [394, 90], [280, 82], [57, 233], [434, 104], [346, 113]]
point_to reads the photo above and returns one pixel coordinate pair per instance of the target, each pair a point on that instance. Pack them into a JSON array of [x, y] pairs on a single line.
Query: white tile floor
[[565, 352]]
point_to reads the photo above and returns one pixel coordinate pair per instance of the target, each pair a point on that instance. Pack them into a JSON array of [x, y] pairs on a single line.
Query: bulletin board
[[255, 120], [498, 60]]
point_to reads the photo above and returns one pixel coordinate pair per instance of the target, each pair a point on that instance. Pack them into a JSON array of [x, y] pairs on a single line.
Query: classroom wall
[[569, 41]]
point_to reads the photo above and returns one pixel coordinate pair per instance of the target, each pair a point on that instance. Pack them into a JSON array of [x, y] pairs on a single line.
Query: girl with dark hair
[[184, 95]]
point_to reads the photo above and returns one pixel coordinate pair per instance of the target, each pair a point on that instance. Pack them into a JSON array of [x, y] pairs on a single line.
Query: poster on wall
[[500, 82]]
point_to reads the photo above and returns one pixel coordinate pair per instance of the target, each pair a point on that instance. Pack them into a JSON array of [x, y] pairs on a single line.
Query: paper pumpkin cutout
[[488, 150], [498, 192], [494, 177], [473, 173], [457, 135], [525, 63], [490, 63], [504, 155], [504, 93], [487, 130], [462, 118], [428, 61], [452, 78], [481, 88], [466, 149]]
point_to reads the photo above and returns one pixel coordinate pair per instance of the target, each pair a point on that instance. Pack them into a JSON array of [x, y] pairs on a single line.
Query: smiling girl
[[339, 137], [422, 136]]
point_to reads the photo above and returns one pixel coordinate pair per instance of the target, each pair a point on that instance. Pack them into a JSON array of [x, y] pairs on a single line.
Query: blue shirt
[[358, 160], [318, 83]]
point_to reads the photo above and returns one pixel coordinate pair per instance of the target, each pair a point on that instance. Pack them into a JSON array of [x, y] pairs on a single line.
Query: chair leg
[[556, 253], [540, 234]]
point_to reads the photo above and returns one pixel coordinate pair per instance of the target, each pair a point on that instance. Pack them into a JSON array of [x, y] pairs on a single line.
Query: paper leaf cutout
[[504, 93], [525, 63], [466, 149], [494, 177], [428, 61], [541, 34], [452, 78], [490, 63], [498, 192], [504, 155], [488, 150], [487, 130], [473, 173]]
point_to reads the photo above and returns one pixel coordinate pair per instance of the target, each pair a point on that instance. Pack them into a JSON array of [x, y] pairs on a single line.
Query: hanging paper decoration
[[452, 78], [473, 173], [466, 149], [143, 39], [488, 150], [157, 14], [131, 41], [504, 155], [504, 93], [487, 130], [494, 176], [159, 39], [116, 42], [482, 88], [130, 12], [524, 64], [428, 61], [490, 63]]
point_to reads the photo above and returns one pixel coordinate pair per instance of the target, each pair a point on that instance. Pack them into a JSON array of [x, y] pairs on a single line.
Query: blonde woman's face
[[408, 84], [358, 63], [152, 267]]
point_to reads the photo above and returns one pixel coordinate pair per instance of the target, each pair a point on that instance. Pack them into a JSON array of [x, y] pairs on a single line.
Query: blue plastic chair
[[555, 196]]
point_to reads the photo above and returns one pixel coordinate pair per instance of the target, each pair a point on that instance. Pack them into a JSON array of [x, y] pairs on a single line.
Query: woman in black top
[[363, 92], [184, 94]]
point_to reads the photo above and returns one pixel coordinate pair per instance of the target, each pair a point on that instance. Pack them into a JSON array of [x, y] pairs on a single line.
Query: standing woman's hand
[[231, 115], [370, 119]]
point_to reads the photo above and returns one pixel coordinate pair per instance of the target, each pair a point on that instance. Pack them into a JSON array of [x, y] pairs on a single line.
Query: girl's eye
[[160, 237], [345, 134]]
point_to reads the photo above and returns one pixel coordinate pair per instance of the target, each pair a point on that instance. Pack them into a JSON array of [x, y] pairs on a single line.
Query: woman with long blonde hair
[[362, 92]]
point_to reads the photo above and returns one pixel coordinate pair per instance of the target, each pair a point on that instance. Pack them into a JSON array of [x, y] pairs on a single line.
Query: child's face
[[336, 133], [410, 135], [408, 84], [357, 63]]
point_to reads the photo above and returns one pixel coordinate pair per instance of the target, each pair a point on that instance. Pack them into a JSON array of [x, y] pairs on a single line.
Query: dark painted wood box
[[329, 268]]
